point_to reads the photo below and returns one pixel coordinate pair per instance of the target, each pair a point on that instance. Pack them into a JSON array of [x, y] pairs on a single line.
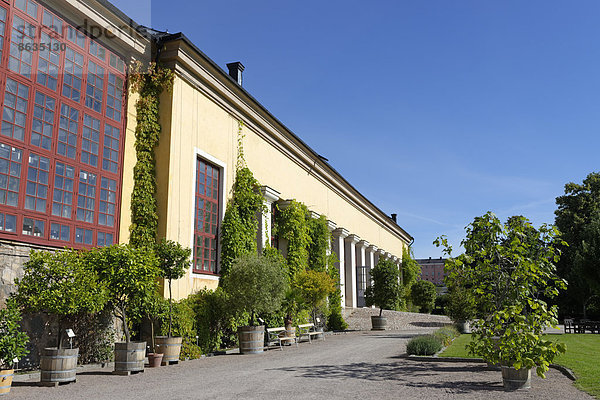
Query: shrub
[[426, 345], [446, 334], [313, 288], [190, 350], [423, 295], [13, 342], [182, 320]]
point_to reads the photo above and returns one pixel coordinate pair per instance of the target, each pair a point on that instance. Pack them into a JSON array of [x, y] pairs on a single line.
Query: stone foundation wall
[[12, 257]]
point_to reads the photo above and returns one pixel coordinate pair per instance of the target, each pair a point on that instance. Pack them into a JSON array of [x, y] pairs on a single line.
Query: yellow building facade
[[201, 117]]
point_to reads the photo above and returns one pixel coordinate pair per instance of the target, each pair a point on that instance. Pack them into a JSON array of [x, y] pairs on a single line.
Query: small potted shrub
[[130, 275], [13, 343], [385, 291], [173, 261], [62, 286], [255, 285]]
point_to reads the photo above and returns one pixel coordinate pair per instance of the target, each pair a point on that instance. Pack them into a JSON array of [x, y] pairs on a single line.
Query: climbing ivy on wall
[[320, 260], [291, 224], [320, 239], [240, 223], [149, 82]]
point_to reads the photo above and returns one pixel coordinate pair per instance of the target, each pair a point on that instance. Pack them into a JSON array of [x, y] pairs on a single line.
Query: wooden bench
[[308, 331], [278, 336]]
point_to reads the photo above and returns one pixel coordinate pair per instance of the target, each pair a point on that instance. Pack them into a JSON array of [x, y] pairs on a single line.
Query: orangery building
[[67, 148]]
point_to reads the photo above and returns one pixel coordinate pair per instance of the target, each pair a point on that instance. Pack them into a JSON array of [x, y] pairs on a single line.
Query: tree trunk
[[60, 334], [170, 309], [152, 333], [380, 311]]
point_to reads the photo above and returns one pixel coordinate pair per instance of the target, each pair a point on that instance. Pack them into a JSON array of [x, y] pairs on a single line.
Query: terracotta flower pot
[[154, 359]]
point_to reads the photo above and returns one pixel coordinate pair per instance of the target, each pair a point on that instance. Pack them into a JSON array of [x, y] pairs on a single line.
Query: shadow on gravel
[[430, 324], [455, 378], [26, 384], [95, 373], [399, 336]]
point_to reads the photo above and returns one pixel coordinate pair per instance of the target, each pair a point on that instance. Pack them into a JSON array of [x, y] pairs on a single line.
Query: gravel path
[[346, 366]]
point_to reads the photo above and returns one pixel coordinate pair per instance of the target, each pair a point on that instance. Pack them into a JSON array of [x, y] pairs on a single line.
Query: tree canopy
[[578, 219]]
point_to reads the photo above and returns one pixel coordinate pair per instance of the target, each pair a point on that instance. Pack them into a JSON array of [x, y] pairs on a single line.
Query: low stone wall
[[360, 319]]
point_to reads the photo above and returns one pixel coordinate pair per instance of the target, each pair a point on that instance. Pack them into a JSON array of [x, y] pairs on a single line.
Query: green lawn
[[582, 357]]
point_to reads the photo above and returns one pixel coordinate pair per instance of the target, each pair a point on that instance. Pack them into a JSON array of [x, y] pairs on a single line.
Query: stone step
[[360, 319]]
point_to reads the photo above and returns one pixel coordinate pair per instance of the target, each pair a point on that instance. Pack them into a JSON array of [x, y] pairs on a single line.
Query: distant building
[[432, 270]]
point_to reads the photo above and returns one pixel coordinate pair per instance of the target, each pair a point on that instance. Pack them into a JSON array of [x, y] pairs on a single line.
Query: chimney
[[395, 218], [235, 71]]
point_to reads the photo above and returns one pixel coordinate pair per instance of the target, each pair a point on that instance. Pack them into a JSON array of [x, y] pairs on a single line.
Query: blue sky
[[436, 110]]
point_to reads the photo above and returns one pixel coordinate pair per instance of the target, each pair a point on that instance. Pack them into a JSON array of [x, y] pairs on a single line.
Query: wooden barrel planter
[[516, 379], [378, 323], [58, 365], [170, 347], [6, 377], [129, 357], [251, 339]]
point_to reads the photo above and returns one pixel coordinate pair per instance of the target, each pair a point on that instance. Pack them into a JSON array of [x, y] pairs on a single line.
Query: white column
[[379, 255], [361, 256], [331, 226], [395, 261], [270, 195], [339, 235], [371, 250], [350, 253]]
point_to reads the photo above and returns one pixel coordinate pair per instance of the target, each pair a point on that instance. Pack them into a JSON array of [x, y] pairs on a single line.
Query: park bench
[[278, 336], [308, 331]]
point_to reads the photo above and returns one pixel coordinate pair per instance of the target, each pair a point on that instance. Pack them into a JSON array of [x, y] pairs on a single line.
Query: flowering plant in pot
[[255, 285], [61, 285], [130, 275], [385, 291], [13, 343]]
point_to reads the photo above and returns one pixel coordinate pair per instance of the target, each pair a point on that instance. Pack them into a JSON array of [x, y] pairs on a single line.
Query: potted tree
[[62, 286], [130, 275], [154, 311], [511, 272], [385, 292], [256, 285], [13, 343], [173, 261]]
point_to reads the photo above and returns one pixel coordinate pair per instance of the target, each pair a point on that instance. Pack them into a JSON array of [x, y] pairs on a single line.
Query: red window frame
[[13, 114], [42, 127], [206, 217], [62, 229]]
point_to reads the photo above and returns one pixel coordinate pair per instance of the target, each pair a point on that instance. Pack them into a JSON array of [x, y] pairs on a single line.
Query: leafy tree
[[511, 270], [423, 295], [411, 271], [385, 291], [313, 288], [13, 342], [578, 219], [173, 261], [255, 284], [130, 275], [60, 285], [292, 224]]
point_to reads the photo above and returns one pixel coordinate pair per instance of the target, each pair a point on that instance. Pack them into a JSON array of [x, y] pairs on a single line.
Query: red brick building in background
[[432, 270]]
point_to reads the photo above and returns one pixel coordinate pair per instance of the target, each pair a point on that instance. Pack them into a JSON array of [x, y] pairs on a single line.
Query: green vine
[[292, 225], [149, 83], [240, 223]]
